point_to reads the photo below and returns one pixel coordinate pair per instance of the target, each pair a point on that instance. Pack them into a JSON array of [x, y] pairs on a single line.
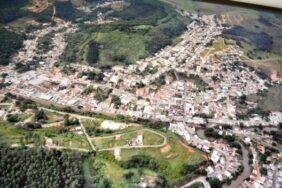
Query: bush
[[215, 183], [140, 161], [116, 101], [32, 125], [13, 118], [40, 116], [93, 52]]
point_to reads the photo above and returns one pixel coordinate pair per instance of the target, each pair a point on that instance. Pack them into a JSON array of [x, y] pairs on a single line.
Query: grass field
[[171, 158], [216, 46], [95, 124], [149, 137], [53, 117], [271, 101], [12, 134], [118, 44]]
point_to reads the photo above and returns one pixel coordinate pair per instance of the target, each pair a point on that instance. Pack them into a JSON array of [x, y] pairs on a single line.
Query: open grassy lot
[[103, 168], [121, 46], [170, 158], [149, 138], [94, 129], [62, 137], [12, 134], [271, 101], [53, 117], [216, 46]]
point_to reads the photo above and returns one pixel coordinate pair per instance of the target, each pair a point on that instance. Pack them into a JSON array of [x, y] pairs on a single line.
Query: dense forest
[[12, 9], [23, 167], [10, 42]]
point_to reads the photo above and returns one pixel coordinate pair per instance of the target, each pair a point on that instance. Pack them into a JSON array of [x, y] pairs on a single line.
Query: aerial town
[[194, 86]]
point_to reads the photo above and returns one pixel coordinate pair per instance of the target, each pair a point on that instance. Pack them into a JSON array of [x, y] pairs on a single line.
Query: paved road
[[143, 146], [108, 149], [198, 180], [245, 174], [71, 114], [55, 124]]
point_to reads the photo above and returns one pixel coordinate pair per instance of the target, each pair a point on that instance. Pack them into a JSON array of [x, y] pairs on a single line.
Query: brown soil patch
[[189, 149], [39, 6], [165, 149], [172, 156], [117, 5], [205, 156]]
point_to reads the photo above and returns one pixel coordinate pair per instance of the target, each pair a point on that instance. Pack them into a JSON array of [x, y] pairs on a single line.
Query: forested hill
[[12, 9]]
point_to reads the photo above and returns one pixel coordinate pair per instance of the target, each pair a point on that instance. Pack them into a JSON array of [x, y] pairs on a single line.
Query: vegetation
[[261, 41], [40, 116], [93, 52], [102, 94], [10, 43], [11, 10], [25, 104], [70, 122], [149, 138], [87, 90], [254, 30], [45, 42], [215, 183], [23, 167], [142, 29], [116, 101]]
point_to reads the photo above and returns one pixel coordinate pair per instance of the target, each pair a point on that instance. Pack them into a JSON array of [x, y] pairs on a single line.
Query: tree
[[66, 120], [116, 100], [215, 183], [40, 116], [13, 118], [93, 52]]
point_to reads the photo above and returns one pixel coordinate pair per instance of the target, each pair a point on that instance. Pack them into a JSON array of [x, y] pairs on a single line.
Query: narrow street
[[245, 174], [87, 136]]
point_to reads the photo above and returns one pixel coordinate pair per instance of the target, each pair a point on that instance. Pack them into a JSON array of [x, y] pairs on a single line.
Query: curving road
[[107, 149], [143, 146], [245, 174]]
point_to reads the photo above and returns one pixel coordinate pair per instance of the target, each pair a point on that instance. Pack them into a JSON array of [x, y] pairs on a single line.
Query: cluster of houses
[[191, 85], [179, 84], [225, 159], [273, 175]]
